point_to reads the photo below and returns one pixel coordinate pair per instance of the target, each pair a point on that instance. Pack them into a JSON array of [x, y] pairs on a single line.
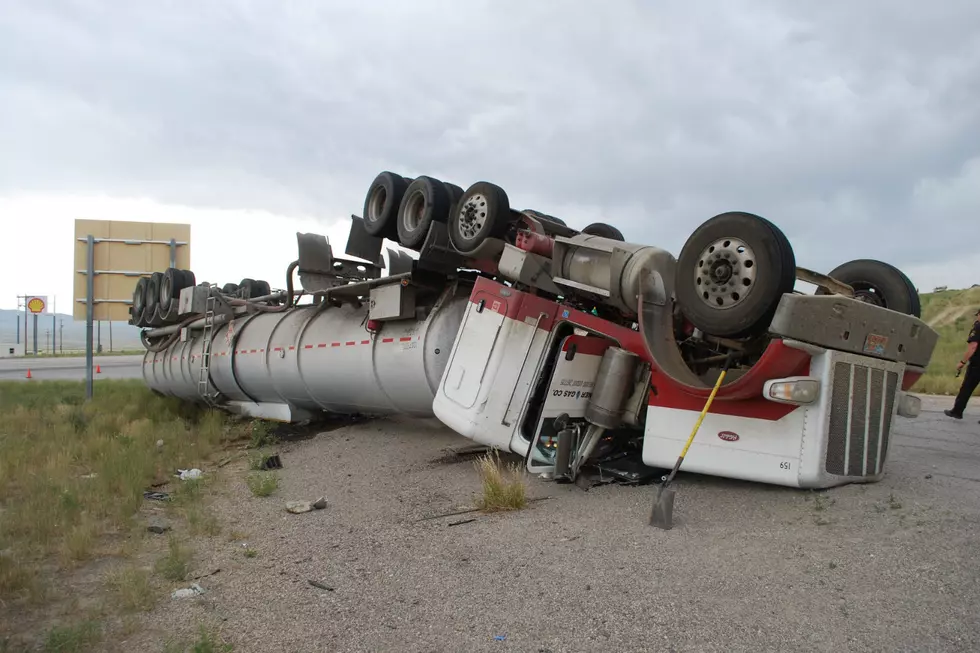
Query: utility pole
[[110, 335], [47, 339], [61, 338]]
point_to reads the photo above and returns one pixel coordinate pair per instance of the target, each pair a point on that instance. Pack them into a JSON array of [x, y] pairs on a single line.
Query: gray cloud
[[855, 127]]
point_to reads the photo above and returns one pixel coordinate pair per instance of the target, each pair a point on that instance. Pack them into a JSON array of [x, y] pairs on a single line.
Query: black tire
[[544, 217], [189, 278], [260, 289], [153, 294], [455, 192], [731, 289], [604, 230], [879, 283], [425, 201], [381, 205], [551, 218], [482, 212], [170, 287], [139, 301], [229, 289]]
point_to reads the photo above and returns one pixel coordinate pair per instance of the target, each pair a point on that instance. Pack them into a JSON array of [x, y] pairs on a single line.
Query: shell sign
[[37, 305]]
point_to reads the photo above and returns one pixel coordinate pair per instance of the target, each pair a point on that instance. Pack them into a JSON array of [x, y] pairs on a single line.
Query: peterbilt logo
[[728, 436]]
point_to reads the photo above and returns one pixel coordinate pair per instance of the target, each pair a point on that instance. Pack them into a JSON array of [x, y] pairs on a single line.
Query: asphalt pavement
[[70, 368]]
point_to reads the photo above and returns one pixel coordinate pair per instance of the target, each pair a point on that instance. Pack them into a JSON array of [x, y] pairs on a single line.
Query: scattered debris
[[159, 444], [928, 475], [500, 638], [461, 522], [222, 463], [297, 507], [469, 510], [271, 462], [189, 474], [571, 538], [157, 496], [158, 526], [319, 585], [217, 570], [92, 475], [188, 592]]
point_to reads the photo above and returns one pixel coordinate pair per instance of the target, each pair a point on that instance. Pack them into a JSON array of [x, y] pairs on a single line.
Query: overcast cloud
[[853, 126]]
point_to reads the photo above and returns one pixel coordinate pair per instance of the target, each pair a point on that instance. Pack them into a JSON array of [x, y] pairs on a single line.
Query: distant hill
[[950, 312], [124, 336]]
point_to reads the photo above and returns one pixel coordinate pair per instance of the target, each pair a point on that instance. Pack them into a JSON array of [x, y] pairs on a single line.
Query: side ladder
[[204, 381]]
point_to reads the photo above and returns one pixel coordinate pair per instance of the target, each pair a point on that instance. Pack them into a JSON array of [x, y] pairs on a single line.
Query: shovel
[[662, 515]]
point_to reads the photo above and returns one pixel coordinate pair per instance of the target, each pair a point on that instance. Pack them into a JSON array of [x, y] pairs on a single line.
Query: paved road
[[70, 369]]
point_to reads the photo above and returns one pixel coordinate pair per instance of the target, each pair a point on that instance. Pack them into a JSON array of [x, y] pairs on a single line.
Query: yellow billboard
[[122, 253]]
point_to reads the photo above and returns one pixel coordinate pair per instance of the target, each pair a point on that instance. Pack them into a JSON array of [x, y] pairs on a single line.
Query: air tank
[[612, 388], [318, 358]]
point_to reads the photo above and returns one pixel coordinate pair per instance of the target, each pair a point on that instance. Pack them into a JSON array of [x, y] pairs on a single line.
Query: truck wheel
[[139, 300], [381, 205], [878, 283], [153, 293], [229, 289], [482, 212], [425, 200], [544, 217], [455, 192], [170, 287], [260, 289], [732, 273], [604, 230], [189, 278]]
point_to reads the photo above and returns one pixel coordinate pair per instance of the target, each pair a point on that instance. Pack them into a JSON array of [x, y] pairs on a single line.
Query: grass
[[72, 477], [83, 636], [262, 434], [176, 565], [262, 484], [208, 641], [504, 486], [132, 590], [951, 315]]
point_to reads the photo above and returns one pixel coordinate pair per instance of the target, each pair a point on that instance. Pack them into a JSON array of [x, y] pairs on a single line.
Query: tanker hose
[[289, 282], [169, 340]]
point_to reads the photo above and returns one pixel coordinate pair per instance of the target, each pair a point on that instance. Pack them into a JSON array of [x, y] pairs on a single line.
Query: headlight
[[792, 391]]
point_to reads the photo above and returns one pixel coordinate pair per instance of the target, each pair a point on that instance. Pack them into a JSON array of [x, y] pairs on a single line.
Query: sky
[[855, 127]]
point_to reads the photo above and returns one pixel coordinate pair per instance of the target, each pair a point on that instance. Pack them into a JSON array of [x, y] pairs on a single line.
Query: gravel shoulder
[[890, 566]]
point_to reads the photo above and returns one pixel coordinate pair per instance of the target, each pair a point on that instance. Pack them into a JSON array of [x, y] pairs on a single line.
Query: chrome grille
[[861, 407]]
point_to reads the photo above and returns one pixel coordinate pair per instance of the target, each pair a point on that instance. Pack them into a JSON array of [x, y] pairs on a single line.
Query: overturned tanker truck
[[590, 356]]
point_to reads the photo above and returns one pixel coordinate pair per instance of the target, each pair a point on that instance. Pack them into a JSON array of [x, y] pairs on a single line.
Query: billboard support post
[[90, 314]]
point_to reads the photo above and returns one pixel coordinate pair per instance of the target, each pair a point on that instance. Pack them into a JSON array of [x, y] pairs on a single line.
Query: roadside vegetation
[[72, 482], [504, 484], [951, 314]]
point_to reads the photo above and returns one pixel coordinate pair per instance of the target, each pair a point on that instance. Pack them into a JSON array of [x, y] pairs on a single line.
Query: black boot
[[950, 413]]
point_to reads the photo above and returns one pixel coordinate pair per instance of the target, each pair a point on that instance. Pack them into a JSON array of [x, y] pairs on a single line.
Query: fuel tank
[[318, 358], [612, 266]]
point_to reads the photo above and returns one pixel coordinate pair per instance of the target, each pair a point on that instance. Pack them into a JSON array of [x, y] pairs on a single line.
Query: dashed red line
[[387, 340], [365, 342]]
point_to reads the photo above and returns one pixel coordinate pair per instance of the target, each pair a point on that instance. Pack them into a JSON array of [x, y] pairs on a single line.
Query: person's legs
[[971, 379]]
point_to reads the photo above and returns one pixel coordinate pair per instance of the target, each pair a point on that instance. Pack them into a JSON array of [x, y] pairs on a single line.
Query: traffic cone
[[28, 372], [98, 369]]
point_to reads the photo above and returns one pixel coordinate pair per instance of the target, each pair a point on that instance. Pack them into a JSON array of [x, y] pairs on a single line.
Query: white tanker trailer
[[575, 349]]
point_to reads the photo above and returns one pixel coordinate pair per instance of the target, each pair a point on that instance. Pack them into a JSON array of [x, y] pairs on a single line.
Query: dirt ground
[[891, 566]]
